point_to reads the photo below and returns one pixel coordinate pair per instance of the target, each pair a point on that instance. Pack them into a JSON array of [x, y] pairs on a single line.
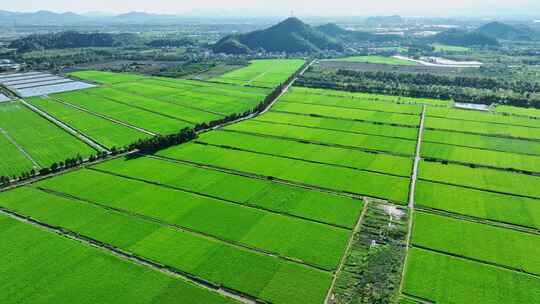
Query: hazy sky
[[283, 7]]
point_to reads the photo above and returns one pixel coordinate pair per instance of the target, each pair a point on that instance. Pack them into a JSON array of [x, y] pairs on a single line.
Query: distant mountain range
[[52, 18]]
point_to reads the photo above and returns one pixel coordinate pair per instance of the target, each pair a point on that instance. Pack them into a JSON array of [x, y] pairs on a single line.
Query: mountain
[[503, 31], [342, 35], [289, 36], [463, 38], [73, 40], [40, 18]]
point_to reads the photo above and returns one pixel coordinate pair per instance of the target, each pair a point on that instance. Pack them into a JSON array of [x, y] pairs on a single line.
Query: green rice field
[[320, 175], [445, 279], [24, 145], [516, 210], [262, 73], [482, 117], [527, 112], [81, 273]]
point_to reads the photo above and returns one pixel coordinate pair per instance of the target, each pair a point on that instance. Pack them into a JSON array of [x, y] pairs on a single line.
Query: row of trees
[[427, 79], [408, 89]]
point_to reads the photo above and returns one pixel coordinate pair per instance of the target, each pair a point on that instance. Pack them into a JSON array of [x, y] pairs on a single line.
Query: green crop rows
[[256, 274], [354, 103], [481, 157], [530, 112], [105, 132], [481, 242], [333, 124], [313, 205], [46, 146], [510, 209], [482, 117], [325, 176], [444, 279], [374, 97], [482, 142], [70, 272], [264, 73], [383, 163], [370, 142], [314, 243], [344, 113], [483, 179]]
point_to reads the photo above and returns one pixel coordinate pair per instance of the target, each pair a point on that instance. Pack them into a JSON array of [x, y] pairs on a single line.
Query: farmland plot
[[482, 142], [333, 124], [482, 128], [76, 273], [353, 103], [330, 177], [264, 73], [103, 131], [466, 155], [139, 118], [301, 202], [482, 117], [509, 209], [478, 241], [314, 243], [12, 162], [383, 163], [327, 137], [483, 179], [529, 112], [373, 97], [261, 276], [446, 279], [344, 113], [51, 144]]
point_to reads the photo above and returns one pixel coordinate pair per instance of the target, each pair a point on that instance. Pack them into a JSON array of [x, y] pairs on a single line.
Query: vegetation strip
[[129, 256], [184, 229], [347, 251]]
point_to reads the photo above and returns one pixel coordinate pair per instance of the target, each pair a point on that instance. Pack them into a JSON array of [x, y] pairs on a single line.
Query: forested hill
[[503, 31], [463, 38], [289, 36], [72, 40]]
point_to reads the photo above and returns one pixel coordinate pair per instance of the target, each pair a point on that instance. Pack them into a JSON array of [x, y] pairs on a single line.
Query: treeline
[[72, 39], [427, 79], [408, 88]]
